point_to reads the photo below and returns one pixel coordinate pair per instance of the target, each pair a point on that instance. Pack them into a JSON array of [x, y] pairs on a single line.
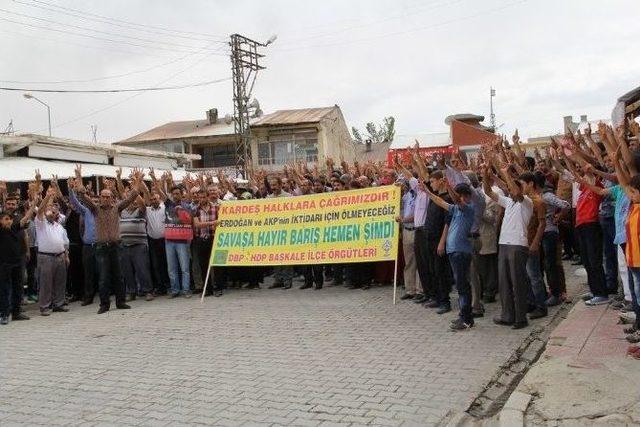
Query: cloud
[[417, 61]]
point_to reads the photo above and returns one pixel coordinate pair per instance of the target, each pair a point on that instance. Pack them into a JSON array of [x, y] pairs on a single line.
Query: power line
[[96, 37], [128, 98], [155, 67], [48, 39], [412, 30], [407, 12], [140, 39], [107, 19], [144, 89]]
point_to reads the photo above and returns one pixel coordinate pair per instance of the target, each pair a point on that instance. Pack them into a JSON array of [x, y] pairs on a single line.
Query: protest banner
[[341, 227]]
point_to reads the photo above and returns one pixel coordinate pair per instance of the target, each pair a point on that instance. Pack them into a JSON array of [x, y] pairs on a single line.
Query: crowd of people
[[495, 227]]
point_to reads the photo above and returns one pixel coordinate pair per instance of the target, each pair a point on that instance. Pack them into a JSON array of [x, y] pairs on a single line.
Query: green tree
[[384, 132]]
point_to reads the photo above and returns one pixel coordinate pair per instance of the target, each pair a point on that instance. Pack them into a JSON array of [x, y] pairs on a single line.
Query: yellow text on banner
[[328, 228]]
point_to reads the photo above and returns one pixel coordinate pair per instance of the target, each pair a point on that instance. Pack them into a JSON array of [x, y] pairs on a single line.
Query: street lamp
[[29, 96]]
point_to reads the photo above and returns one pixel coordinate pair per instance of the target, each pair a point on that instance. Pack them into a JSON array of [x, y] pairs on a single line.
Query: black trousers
[[590, 243], [421, 248], [338, 271], [439, 270], [109, 273], [313, 274], [32, 288], [75, 276], [204, 254], [159, 270], [488, 274], [360, 273], [11, 277], [90, 268]]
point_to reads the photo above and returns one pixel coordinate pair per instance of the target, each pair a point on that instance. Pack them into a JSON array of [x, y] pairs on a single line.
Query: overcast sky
[[419, 61]]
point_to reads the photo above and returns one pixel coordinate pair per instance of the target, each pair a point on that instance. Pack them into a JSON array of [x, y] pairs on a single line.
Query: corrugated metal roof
[[304, 115], [21, 169], [184, 129], [13, 143]]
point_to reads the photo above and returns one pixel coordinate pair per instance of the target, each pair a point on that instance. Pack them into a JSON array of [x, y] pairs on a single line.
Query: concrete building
[[568, 123], [278, 138]]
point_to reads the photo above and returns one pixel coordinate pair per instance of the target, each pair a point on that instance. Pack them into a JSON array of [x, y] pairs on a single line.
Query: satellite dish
[[254, 104], [228, 119]]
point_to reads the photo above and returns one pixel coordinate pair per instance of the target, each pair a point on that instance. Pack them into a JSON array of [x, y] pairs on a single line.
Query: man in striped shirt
[[134, 253]]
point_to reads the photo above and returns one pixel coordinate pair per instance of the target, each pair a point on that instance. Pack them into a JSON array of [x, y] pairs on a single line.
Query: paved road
[[260, 357]]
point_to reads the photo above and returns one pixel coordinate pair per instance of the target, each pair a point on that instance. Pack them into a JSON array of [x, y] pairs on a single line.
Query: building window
[[219, 155], [281, 147]]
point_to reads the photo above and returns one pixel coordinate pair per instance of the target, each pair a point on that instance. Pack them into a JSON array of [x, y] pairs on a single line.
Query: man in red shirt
[[589, 234]]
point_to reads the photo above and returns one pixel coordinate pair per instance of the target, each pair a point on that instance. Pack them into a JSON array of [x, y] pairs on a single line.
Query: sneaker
[[187, 295], [617, 304], [634, 337], [552, 301], [275, 285], [45, 312], [627, 307], [103, 309], [597, 301], [20, 316], [587, 296], [123, 306], [407, 296], [60, 309], [498, 321], [432, 304], [538, 313], [4, 320], [443, 309], [519, 325], [419, 298], [460, 325], [172, 296], [149, 297]]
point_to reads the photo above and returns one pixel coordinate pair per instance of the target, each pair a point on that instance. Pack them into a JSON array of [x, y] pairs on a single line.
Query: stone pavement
[[262, 357], [584, 377]]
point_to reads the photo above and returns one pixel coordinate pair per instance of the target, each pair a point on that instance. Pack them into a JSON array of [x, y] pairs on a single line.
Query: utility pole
[[9, 129], [492, 93], [244, 66], [94, 134]]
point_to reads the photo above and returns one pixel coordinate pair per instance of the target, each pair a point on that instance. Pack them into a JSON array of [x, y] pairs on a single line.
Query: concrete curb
[[512, 413]]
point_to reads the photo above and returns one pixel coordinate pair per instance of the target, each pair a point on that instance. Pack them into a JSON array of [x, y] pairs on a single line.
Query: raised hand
[[38, 176], [78, 171], [119, 173]]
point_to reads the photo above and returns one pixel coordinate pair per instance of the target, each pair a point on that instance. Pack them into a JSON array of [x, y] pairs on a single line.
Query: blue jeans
[[460, 265], [178, 265], [537, 290], [610, 253]]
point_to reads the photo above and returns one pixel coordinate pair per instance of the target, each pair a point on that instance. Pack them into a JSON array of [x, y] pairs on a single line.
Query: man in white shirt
[[514, 249], [155, 215], [53, 257]]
